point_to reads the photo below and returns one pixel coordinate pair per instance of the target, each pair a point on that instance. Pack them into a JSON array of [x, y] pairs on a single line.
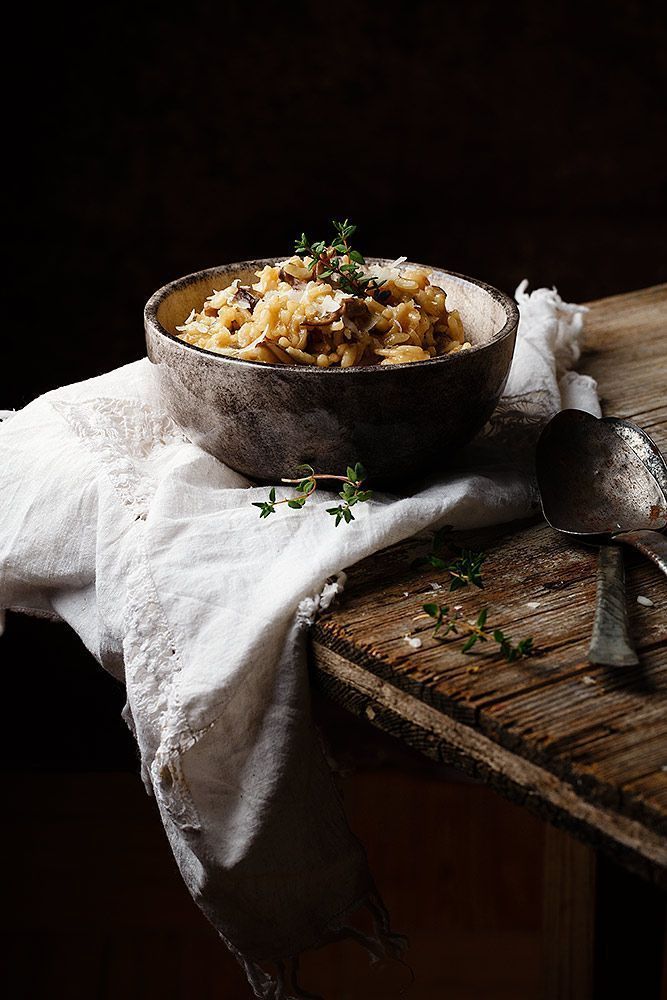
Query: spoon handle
[[610, 641], [649, 543]]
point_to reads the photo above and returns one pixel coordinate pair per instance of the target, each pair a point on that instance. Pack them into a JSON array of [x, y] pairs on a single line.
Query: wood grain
[[583, 745]]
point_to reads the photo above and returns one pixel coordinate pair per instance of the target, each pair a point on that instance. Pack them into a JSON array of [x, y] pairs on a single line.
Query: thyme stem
[[323, 475], [477, 631], [351, 494], [337, 261]]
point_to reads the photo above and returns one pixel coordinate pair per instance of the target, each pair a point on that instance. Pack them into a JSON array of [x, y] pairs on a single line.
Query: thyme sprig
[[476, 631], [338, 262], [465, 569], [351, 494]]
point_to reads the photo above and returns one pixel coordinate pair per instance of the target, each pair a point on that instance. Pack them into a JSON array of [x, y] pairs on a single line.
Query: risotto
[[295, 315]]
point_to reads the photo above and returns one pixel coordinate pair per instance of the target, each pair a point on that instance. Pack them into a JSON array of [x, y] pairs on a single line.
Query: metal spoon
[[611, 643], [643, 444], [602, 480]]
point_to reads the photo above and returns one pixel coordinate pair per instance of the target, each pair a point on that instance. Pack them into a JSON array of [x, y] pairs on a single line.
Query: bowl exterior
[[263, 421]]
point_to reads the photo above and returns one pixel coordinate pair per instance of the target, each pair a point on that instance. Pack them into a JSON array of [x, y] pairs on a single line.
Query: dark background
[[497, 140]]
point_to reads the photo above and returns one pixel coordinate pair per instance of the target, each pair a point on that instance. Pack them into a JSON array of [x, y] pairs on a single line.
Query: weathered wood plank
[[600, 733], [451, 742]]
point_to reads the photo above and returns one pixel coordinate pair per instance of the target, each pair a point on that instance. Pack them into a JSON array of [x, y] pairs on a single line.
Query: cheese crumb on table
[[413, 641]]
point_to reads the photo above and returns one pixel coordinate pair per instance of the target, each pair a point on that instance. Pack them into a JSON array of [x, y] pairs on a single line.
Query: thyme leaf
[[351, 493], [476, 631], [464, 569], [339, 261]]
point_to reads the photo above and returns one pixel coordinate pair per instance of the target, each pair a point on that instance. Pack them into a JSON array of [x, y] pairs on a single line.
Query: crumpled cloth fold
[[152, 551]]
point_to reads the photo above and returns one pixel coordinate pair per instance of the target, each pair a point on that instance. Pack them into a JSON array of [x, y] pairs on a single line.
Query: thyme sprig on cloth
[[351, 493], [339, 263], [476, 631]]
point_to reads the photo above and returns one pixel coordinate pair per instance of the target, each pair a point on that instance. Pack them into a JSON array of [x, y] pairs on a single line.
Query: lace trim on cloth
[[124, 433], [152, 665]]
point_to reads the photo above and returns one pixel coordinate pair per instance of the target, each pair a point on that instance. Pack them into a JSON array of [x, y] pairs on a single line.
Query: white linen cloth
[[152, 551]]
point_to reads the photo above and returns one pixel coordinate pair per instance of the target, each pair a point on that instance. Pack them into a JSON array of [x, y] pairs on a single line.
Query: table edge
[[446, 740]]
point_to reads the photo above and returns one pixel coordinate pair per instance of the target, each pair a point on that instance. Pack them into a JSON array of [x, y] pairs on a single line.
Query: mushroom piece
[[278, 353], [356, 312], [355, 309], [324, 320], [289, 278], [284, 275], [244, 297]]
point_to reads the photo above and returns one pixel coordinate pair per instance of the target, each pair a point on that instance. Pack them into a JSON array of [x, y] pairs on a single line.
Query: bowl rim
[[158, 297]]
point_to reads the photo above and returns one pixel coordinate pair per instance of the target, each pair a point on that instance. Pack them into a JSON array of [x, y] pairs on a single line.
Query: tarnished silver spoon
[[602, 481], [611, 643]]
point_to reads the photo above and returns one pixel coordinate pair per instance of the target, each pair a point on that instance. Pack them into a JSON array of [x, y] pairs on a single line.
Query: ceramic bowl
[[399, 421]]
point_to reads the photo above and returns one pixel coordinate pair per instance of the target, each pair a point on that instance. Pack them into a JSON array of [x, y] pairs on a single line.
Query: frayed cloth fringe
[[381, 944]]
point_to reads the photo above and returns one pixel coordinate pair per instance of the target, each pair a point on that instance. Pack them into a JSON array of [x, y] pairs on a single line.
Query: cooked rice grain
[[288, 318]]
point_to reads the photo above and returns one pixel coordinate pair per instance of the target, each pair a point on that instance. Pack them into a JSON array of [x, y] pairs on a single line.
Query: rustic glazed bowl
[[264, 420]]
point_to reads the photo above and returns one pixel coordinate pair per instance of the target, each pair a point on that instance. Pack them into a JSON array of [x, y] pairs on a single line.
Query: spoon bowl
[[604, 481], [592, 482], [643, 445]]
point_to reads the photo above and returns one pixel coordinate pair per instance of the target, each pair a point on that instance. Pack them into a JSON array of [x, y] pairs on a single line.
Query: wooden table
[[585, 746]]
